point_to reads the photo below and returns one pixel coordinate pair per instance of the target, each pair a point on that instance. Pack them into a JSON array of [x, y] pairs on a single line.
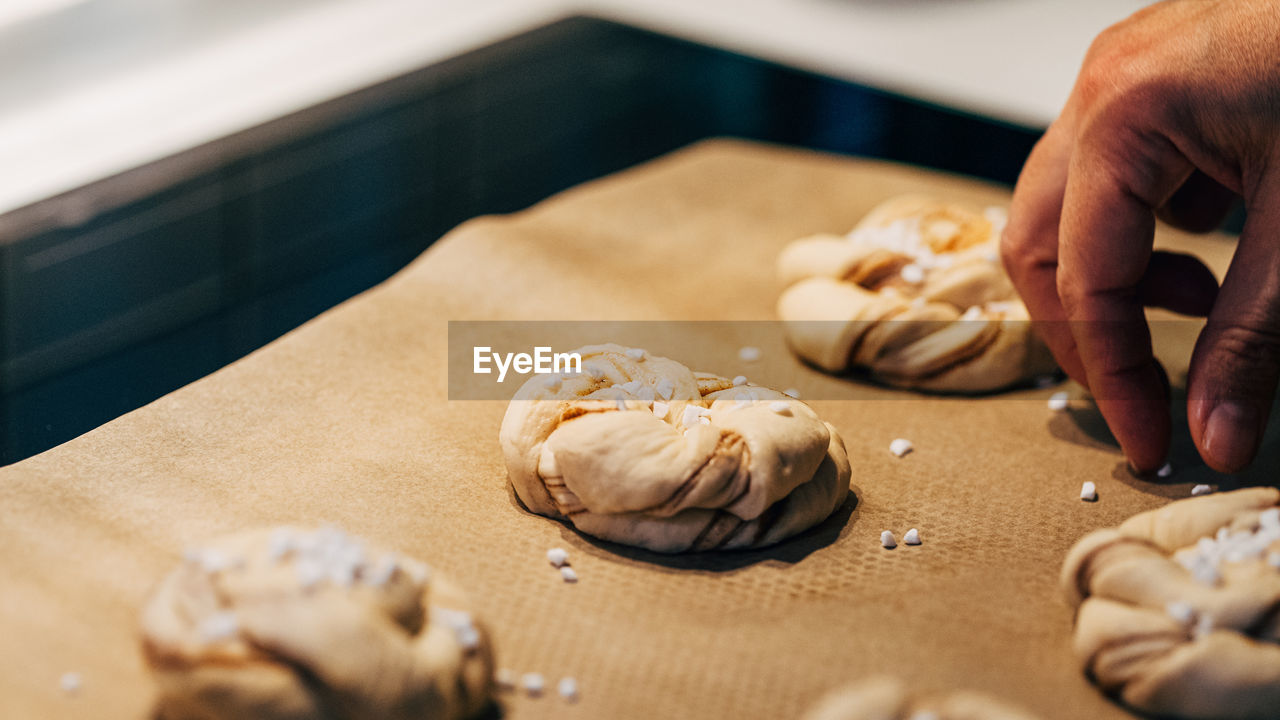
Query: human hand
[[1176, 112]]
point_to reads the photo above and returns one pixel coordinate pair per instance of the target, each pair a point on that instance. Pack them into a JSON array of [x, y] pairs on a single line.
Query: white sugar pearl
[[1058, 401], [1204, 626], [636, 353], [912, 273], [219, 626], [505, 679], [568, 689], [1165, 470], [1046, 381], [792, 393], [972, 313], [749, 353], [1201, 490], [660, 408], [568, 574], [1181, 612], [558, 557], [912, 537], [740, 380], [704, 420], [665, 388], [690, 415], [1089, 491], [622, 404], [532, 684], [901, 446], [782, 407], [887, 540], [468, 637], [71, 682]]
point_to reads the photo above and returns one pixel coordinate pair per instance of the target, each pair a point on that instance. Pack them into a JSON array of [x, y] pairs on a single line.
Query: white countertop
[[1013, 60]]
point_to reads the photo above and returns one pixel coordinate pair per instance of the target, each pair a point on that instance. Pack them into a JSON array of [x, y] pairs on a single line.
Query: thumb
[[1236, 362]]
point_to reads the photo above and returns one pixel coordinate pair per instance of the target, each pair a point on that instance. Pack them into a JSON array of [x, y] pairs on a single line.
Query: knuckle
[[1250, 341]]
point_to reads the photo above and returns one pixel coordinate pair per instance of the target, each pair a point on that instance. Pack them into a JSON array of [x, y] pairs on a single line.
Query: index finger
[[1030, 243], [1116, 181]]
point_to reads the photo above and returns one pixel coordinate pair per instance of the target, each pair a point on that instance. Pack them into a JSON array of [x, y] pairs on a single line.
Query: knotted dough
[[302, 624], [916, 295], [887, 698], [1179, 607], [638, 449]]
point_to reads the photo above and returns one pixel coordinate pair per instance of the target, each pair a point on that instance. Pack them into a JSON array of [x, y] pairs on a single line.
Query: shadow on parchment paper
[[791, 550], [1086, 427]]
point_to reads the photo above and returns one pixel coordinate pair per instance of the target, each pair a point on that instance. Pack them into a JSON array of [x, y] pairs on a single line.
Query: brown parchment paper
[[347, 420]]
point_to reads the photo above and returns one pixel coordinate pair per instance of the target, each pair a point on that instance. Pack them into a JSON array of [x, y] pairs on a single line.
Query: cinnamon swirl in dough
[[1179, 608], [887, 698], [303, 624], [638, 449], [916, 295]]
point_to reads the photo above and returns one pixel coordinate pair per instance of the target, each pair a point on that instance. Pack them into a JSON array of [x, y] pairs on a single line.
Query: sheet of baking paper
[[347, 421]]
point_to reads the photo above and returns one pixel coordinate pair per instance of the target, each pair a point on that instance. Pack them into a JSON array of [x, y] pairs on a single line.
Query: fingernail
[[1231, 435]]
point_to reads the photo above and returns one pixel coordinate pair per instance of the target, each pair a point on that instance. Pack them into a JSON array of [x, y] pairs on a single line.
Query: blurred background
[[182, 181]]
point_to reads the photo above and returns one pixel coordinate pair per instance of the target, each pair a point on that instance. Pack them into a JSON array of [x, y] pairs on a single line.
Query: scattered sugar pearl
[[1181, 612], [1201, 490], [704, 420], [782, 407], [559, 557], [568, 574], [1088, 491], [636, 354], [1058, 401], [912, 273], [912, 537], [972, 313], [901, 447], [749, 353], [887, 540], [665, 388], [532, 684], [740, 380], [690, 415], [792, 393], [71, 682], [1204, 626], [219, 626], [568, 689], [1046, 381], [505, 679], [622, 404], [1165, 470], [660, 408]]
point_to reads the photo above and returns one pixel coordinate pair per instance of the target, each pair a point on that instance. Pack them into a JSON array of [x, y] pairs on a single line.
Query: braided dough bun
[[298, 624], [886, 698], [1179, 608], [646, 452], [916, 295]]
